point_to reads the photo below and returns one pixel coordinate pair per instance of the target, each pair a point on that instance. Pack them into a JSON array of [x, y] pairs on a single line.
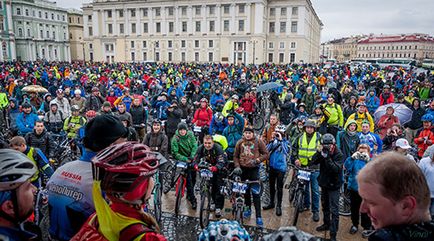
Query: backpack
[[49, 114]]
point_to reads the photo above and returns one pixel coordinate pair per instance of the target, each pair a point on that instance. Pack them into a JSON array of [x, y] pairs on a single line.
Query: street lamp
[[84, 55], [254, 50]]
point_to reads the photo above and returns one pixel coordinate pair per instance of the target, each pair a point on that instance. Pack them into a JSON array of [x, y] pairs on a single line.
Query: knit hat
[[97, 137], [249, 128], [182, 126], [106, 104]]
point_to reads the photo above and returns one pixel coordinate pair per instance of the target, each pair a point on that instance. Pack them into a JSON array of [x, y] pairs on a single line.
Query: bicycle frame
[[182, 174]]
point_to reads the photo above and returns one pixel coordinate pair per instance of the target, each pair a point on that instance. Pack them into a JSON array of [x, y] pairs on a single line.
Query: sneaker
[[259, 222], [353, 229], [212, 207], [367, 232], [304, 209], [315, 216], [278, 211], [193, 205], [269, 206], [218, 213], [247, 213], [322, 228], [332, 237]]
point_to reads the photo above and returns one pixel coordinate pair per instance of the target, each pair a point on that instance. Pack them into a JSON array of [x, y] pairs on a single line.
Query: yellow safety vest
[[32, 158], [307, 150]]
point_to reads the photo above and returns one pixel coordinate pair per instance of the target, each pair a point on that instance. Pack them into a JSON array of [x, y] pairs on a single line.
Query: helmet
[[427, 117], [361, 104], [219, 117], [328, 139], [280, 128], [301, 105], [94, 89], [75, 108], [59, 91], [90, 114], [235, 97], [156, 121], [224, 230], [124, 170], [15, 169], [204, 100], [309, 123], [77, 92], [386, 87], [331, 96], [289, 234]]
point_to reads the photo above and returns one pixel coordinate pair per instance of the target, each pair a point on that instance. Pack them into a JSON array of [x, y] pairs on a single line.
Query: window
[[226, 9], [157, 56], [27, 12], [169, 44], [241, 8], [226, 25], [283, 27], [20, 32], [197, 26], [211, 26], [90, 31], [18, 11], [133, 13], [78, 20], [197, 10], [196, 43], [270, 57], [52, 16], [90, 46], [169, 56], [145, 56], [240, 25], [283, 11], [133, 56], [196, 56], [157, 12], [271, 27], [184, 11], [40, 14], [132, 44], [170, 10], [64, 36], [272, 12], [292, 45], [89, 17], [133, 28], [270, 45], [28, 30], [109, 13], [121, 28], [171, 27], [182, 43], [292, 58], [211, 10], [121, 13], [145, 27], [41, 33], [110, 28], [282, 45], [210, 43], [47, 34], [63, 18], [145, 12], [184, 27], [281, 57], [293, 27], [144, 44], [294, 10], [183, 56], [54, 35], [210, 57], [157, 44], [158, 27]]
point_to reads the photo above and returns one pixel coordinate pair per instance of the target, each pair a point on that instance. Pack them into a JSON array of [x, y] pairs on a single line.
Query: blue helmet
[[224, 230], [427, 117]]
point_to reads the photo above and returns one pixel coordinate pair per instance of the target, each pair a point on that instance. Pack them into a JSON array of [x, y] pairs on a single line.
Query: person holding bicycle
[[156, 139], [184, 147], [330, 179], [250, 151], [17, 195], [233, 132], [214, 155], [202, 117]]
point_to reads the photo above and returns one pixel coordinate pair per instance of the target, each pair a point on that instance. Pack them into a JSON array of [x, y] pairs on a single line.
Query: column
[[248, 13], [127, 26], [176, 20], [95, 22], [259, 18], [139, 27], [163, 21], [115, 25], [190, 20], [219, 22], [288, 20], [300, 21], [85, 27], [233, 24], [204, 24], [277, 26], [151, 27]]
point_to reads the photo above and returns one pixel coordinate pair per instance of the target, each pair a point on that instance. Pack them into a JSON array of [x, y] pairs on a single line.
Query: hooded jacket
[[372, 102], [234, 133], [415, 122], [330, 169], [44, 142], [353, 165], [217, 127], [26, 122], [248, 151], [347, 143], [359, 118], [202, 116], [184, 147], [173, 118], [278, 151], [157, 142]]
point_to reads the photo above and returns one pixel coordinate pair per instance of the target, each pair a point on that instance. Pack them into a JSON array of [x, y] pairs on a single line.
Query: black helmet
[[328, 139], [309, 123], [156, 121]]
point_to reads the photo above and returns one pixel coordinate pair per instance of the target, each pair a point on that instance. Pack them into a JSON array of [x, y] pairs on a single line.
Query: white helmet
[[15, 169], [280, 128], [77, 92]]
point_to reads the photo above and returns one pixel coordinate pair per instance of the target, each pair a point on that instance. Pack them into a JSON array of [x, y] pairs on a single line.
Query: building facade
[[7, 37], [75, 27], [343, 49], [41, 30], [247, 31], [413, 46]]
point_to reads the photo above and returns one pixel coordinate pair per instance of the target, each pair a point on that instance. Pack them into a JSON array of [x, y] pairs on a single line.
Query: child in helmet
[[424, 137]]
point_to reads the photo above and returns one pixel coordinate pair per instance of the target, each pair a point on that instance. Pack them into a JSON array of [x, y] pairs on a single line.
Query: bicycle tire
[[292, 189], [298, 203], [344, 203], [204, 209], [178, 195], [157, 202], [258, 123], [239, 215]]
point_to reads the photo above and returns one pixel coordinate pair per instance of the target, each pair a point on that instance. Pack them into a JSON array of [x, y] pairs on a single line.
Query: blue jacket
[[217, 127], [372, 103], [12, 234], [25, 123], [215, 99], [234, 133], [371, 139], [279, 151], [161, 108], [178, 90], [352, 167]]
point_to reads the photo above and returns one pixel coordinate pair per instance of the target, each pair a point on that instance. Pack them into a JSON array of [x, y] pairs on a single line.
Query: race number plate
[[182, 165], [304, 175], [197, 129], [238, 187], [205, 173]]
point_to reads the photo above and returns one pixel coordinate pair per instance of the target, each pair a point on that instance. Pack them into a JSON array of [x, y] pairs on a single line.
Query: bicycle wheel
[[298, 204], [292, 188], [157, 202], [204, 209], [168, 178], [238, 215], [344, 202], [178, 195], [258, 123]]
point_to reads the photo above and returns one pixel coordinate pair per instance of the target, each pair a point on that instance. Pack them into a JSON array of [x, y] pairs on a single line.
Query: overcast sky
[[350, 17]]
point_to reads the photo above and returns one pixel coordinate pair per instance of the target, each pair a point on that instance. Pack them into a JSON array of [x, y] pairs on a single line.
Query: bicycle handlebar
[[302, 168]]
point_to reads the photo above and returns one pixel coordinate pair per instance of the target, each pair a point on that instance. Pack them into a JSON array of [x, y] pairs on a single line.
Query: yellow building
[[75, 26]]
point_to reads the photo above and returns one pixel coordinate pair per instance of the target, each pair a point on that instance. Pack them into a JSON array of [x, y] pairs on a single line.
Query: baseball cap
[[402, 143]]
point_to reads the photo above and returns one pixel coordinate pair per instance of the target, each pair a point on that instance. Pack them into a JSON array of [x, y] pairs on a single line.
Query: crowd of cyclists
[[116, 118]]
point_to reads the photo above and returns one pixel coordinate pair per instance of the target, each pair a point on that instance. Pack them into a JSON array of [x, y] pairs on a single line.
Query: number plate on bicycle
[[238, 187], [197, 129], [304, 175], [205, 173], [181, 165]]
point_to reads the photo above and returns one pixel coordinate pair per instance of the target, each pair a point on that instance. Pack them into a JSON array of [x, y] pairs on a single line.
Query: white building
[[247, 31], [7, 38], [41, 30], [75, 26]]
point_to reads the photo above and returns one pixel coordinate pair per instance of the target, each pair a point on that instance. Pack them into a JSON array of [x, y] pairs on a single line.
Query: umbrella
[[401, 111], [35, 88], [268, 86]]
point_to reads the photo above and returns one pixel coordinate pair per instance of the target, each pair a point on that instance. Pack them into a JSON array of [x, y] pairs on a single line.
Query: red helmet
[[90, 114], [124, 170]]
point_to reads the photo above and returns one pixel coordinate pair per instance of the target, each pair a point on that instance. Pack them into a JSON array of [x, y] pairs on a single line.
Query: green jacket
[[3, 101], [184, 147]]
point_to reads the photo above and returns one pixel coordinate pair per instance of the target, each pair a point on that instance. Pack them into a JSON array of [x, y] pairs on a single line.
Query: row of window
[[283, 11], [46, 14], [170, 11], [282, 27], [388, 55], [388, 47], [281, 45], [170, 56], [41, 34], [281, 59], [183, 44]]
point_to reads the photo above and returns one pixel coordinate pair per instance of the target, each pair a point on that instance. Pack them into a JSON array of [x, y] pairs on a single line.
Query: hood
[[349, 123], [372, 89], [187, 136]]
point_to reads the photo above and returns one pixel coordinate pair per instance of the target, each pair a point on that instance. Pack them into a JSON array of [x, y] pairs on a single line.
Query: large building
[[7, 38], [75, 26], [343, 49], [414, 46], [41, 30], [247, 31]]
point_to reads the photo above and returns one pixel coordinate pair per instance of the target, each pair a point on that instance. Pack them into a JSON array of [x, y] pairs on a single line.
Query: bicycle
[[205, 193], [297, 186], [236, 189], [181, 183], [197, 130], [158, 187], [344, 198]]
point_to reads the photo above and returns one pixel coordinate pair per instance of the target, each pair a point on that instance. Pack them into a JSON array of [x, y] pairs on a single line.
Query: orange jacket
[[424, 139]]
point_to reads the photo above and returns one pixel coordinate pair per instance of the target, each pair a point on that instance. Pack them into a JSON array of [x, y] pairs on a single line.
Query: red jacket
[[112, 100], [388, 100], [248, 104], [424, 139], [385, 123], [202, 117]]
